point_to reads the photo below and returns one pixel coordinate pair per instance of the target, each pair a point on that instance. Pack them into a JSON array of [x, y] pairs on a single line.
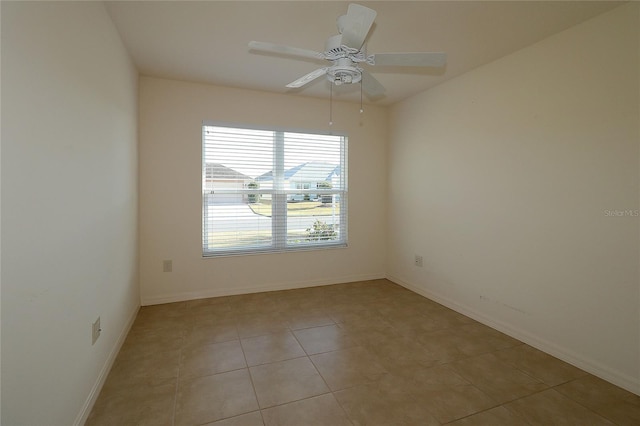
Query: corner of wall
[[83, 415]]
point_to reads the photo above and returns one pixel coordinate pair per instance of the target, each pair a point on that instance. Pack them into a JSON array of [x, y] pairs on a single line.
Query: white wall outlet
[[418, 260], [167, 265], [95, 331]]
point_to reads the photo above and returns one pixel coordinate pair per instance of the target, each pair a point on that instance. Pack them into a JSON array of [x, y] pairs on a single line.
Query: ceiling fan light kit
[[346, 52]]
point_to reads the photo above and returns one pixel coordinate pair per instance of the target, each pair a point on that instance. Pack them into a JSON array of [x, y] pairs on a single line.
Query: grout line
[[175, 397], [253, 386], [312, 326], [296, 400], [578, 402], [548, 387], [342, 408], [331, 392], [489, 409], [275, 362]]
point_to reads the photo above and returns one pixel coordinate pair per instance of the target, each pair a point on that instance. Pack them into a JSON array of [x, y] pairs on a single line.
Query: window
[[266, 190]]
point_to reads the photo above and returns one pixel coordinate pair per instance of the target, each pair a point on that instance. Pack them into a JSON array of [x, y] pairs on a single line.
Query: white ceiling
[[207, 41]]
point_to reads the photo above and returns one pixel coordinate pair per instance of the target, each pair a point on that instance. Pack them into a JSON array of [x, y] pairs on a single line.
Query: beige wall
[[502, 179], [69, 202], [171, 115]]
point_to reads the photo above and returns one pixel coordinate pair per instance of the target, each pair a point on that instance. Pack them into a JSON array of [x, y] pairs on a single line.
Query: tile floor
[[365, 353]]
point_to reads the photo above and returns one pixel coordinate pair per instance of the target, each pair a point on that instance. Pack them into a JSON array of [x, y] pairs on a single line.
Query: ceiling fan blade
[[285, 50], [371, 86], [423, 59], [356, 25], [308, 78]]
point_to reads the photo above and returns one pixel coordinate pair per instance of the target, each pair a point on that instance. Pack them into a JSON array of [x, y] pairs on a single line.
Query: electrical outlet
[[95, 331], [167, 265], [418, 260]]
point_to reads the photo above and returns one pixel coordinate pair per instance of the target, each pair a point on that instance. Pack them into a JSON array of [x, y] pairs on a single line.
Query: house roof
[[219, 171], [306, 172]]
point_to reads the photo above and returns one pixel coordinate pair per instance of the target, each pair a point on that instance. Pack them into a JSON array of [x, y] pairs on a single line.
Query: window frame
[[279, 196]]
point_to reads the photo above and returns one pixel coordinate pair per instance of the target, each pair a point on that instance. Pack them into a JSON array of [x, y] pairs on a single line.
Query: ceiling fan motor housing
[[344, 71], [333, 46]]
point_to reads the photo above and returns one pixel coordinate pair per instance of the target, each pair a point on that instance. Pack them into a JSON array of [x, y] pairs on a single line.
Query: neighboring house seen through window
[[272, 190]]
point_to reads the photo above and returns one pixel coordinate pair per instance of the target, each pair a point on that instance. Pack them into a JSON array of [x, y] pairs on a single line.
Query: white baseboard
[[631, 384], [231, 291], [81, 418]]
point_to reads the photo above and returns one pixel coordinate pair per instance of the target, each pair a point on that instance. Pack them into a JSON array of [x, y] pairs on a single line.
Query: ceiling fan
[[346, 51]]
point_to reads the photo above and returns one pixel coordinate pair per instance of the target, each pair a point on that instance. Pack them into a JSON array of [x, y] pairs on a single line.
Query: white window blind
[[272, 190]]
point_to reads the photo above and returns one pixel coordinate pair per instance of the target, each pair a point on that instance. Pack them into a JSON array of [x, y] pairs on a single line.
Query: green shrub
[[321, 231], [253, 198]]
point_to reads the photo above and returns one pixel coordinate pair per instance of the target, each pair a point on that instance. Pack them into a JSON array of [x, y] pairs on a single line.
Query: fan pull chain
[[361, 110], [331, 104]]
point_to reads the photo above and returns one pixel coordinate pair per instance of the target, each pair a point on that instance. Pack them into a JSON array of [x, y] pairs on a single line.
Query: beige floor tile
[[500, 381], [449, 317], [373, 404], [551, 408], [410, 326], [300, 303], [271, 348], [480, 334], [323, 339], [464, 341], [402, 307], [320, 410], [209, 301], [350, 312], [446, 345], [494, 417], [447, 395], [211, 359], [210, 398], [300, 319], [152, 340], [137, 404], [438, 375], [207, 332], [214, 307], [448, 402], [538, 364], [371, 337], [210, 313], [258, 324], [612, 402], [166, 310], [249, 419], [348, 367], [170, 315], [251, 304], [146, 368], [286, 381], [468, 344], [401, 356]]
